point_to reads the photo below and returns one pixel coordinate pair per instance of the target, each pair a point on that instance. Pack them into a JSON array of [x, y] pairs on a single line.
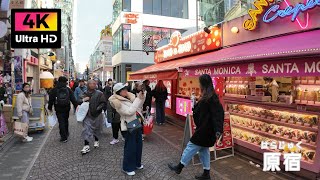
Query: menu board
[[183, 106], [227, 136], [168, 102], [168, 85]]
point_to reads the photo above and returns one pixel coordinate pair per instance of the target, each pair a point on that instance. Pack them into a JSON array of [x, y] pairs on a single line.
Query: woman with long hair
[[160, 93], [24, 107], [208, 115]]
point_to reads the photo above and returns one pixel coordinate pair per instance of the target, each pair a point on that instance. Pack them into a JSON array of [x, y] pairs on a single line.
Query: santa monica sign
[[278, 68]]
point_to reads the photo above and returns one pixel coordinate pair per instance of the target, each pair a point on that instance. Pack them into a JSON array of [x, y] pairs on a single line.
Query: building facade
[[100, 60], [138, 26]]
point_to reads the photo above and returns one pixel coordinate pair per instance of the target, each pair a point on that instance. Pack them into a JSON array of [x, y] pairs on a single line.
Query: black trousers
[[116, 127], [63, 119]]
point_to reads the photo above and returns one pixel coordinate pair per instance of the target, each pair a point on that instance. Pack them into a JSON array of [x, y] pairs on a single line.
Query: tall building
[[100, 60], [65, 53], [138, 26]]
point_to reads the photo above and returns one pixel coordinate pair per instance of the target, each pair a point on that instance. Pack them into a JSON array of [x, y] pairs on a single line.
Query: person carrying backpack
[[208, 117], [60, 98]]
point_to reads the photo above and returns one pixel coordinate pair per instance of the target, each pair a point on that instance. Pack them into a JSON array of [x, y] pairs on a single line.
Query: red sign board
[[196, 43]]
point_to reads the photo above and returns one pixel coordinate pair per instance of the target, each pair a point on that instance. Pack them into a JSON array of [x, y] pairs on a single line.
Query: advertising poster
[[18, 72], [183, 106]]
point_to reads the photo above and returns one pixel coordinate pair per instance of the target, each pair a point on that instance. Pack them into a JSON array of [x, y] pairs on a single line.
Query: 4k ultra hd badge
[[36, 28]]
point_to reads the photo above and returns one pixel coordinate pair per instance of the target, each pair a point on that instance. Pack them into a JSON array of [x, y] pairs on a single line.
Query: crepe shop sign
[[301, 68], [192, 44], [272, 11]]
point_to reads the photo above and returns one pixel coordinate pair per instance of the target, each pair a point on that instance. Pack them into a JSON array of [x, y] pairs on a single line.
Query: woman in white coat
[[127, 104], [24, 107]]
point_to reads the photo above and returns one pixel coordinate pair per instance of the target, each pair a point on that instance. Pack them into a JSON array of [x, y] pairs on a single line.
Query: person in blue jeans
[[127, 105], [160, 93], [208, 117]]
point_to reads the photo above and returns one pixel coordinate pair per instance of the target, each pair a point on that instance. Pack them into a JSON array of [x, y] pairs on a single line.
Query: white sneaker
[[96, 144], [141, 167], [85, 149], [132, 173], [114, 141], [28, 139]]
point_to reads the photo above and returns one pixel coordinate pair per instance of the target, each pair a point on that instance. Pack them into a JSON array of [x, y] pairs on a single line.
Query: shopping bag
[[21, 129], [82, 111], [3, 126], [52, 119], [148, 123], [105, 118]]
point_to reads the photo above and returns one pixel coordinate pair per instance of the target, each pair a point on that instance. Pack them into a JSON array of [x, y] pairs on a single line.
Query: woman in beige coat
[[127, 105], [24, 107]]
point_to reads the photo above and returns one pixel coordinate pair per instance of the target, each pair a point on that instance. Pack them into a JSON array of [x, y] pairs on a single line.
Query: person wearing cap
[[127, 104], [80, 90], [60, 98], [93, 122]]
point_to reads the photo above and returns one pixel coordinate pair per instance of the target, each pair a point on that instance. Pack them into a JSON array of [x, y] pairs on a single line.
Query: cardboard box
[[7, 108], [7, 116]]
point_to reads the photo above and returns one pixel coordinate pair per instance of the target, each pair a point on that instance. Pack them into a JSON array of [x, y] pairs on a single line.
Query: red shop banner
[[292, 68], [196, 43]]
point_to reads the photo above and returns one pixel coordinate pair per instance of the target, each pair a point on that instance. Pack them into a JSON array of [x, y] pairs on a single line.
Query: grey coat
[[112, 115]]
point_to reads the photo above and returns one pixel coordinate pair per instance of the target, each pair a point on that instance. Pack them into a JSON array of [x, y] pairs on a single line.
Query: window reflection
[[172, 8]]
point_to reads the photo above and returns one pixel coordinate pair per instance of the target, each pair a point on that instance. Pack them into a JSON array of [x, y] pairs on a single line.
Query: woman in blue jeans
[[127, 104], [160, 93], [208, 117]]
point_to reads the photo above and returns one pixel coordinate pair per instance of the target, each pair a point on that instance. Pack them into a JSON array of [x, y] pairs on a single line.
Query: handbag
[[134, 125]]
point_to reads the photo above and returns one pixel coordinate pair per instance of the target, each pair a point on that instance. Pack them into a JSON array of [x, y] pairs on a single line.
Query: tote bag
[[21, 129]]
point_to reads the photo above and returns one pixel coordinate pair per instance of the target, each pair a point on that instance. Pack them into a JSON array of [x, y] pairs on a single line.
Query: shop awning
[[295, 45], [166, 70]]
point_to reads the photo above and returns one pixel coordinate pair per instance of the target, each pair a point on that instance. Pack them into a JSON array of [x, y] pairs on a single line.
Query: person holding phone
[[127, 105], [208, 115]]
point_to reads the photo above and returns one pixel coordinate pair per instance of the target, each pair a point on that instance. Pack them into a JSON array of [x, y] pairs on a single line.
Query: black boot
[[204, 176], [177, 169]]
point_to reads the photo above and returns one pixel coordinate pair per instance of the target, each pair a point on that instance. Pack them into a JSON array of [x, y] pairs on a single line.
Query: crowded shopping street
[[159, 89], [47, 158]]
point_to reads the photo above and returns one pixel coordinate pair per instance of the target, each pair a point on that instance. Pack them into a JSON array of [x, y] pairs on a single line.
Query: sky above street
[[90, 17]]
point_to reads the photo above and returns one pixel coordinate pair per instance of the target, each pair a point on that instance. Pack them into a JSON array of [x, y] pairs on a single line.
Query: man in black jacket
[[60, 98], [108, 89], [148, 101]]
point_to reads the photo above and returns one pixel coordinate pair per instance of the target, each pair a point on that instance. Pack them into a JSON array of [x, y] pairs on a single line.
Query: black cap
[[63, 79]]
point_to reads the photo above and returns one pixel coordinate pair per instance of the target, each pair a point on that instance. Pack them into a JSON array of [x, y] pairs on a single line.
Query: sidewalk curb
[[26, 173], [7, 144]]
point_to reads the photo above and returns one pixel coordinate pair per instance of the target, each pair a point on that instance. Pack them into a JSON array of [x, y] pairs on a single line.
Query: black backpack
[[63, 97]]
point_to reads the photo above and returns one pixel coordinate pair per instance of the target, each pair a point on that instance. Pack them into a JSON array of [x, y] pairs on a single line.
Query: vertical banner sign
[[18, 72], [36, 28]]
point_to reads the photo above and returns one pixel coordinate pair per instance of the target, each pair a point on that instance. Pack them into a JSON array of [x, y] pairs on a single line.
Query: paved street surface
[[16, 157], [64, 161]]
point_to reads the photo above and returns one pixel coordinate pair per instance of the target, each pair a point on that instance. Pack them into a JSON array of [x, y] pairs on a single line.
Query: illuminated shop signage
[[279, 68], [193, 44], [131, 18], [271, 10]]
